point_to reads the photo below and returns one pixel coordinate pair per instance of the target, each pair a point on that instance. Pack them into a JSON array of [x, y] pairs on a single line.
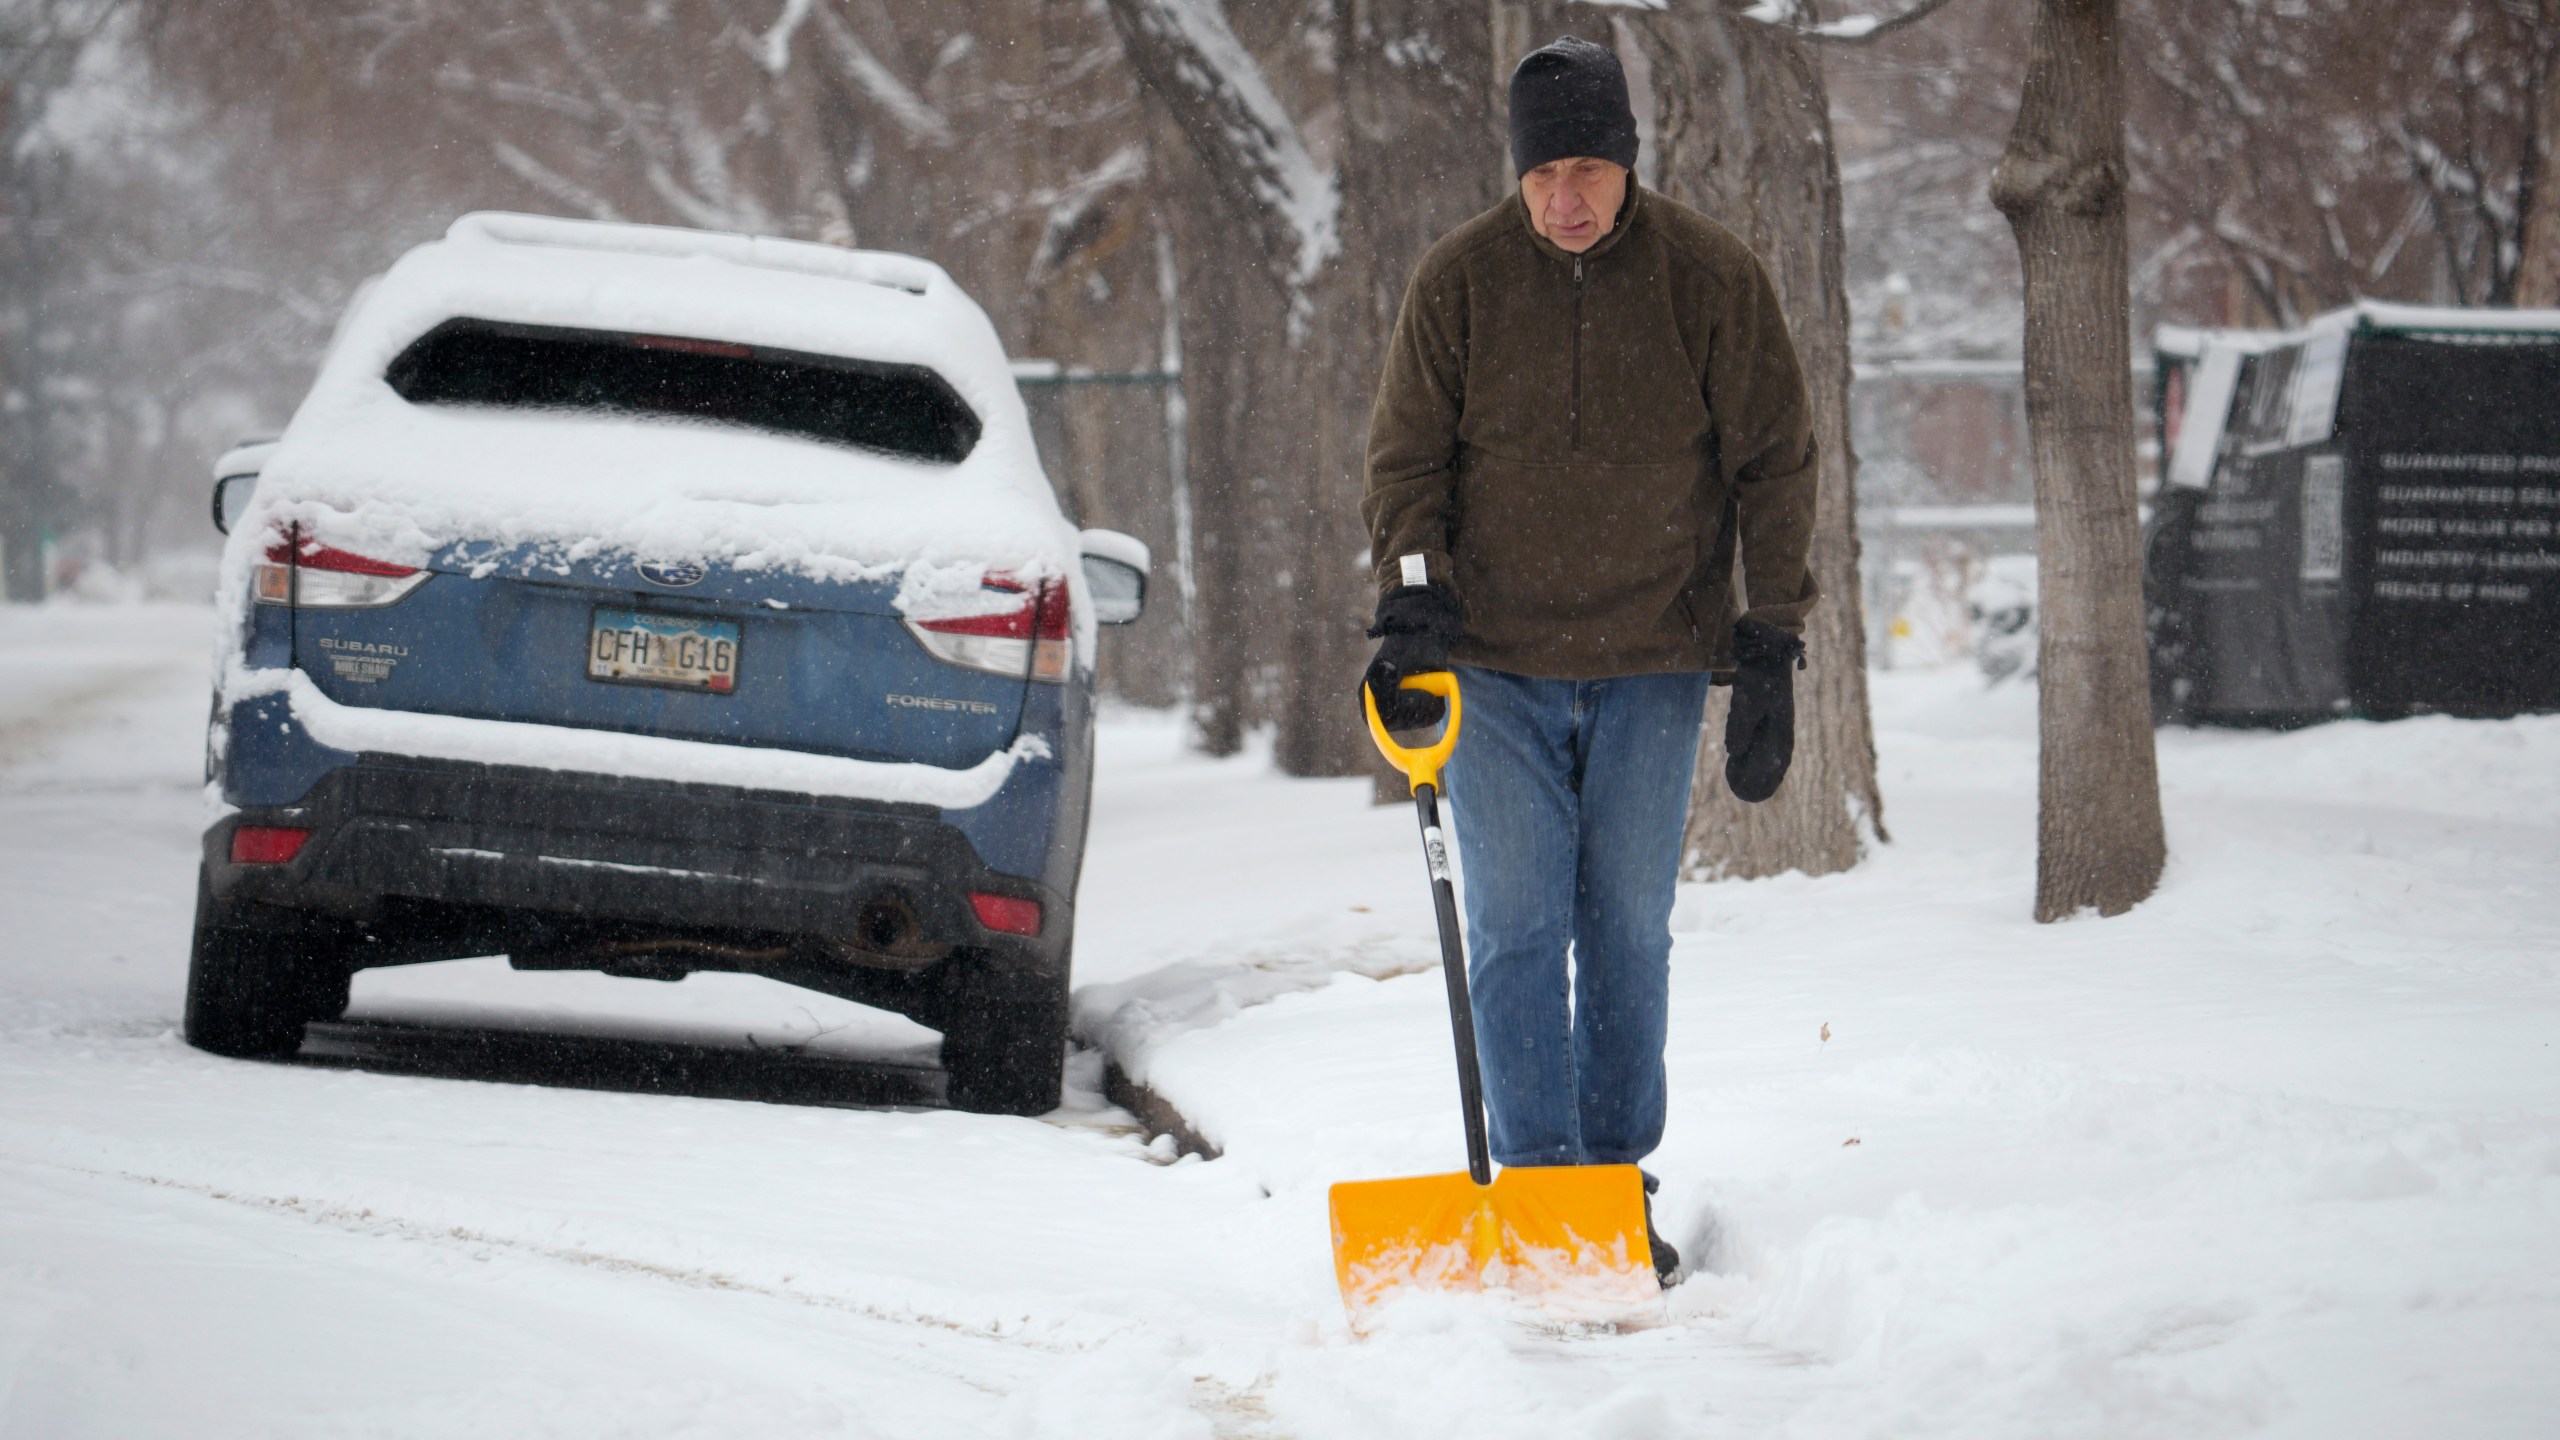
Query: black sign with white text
[[2405, 558]]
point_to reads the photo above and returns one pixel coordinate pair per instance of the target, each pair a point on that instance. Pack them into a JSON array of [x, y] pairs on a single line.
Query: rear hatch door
[[700, 652], [540, 632]]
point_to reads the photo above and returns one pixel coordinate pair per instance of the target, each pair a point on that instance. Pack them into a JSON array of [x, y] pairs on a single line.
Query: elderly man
[[1590, 406]]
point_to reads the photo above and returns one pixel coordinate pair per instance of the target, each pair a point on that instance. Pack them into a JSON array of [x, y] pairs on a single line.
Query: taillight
[[1007, 914], [301, 571], [266, 844], [1031, 638]]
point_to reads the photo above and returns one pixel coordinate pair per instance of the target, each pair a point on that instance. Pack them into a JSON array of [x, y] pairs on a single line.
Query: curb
[[1155, 1113]]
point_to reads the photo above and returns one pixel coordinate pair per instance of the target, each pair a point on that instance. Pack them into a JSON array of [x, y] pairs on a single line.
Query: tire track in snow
[[156, 1308], [1232, 1413], [364, 1220]]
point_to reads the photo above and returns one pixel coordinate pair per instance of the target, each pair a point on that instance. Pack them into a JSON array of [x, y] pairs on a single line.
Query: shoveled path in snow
[[2279, 1153]]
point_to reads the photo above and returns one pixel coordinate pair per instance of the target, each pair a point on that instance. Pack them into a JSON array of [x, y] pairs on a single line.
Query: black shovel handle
[[1453, 969]]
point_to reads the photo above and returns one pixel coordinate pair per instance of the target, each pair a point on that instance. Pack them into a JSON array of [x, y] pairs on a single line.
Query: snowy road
[[2278, 1154]]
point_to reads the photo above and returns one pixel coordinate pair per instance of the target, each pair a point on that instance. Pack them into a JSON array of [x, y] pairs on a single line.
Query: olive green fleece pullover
[[1574, 444]]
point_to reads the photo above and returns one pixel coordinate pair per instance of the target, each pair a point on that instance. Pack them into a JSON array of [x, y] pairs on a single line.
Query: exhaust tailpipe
[[887, 929]]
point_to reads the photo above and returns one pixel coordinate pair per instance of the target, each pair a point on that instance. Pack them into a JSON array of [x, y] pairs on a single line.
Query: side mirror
[[231, 496], [235, 479], [1115, 573]]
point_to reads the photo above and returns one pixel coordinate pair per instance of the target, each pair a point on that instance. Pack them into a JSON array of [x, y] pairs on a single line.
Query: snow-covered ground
[[2279, 1153]]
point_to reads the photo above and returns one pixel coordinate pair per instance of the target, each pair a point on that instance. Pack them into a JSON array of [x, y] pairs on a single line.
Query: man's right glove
[[1760, 729], [1416, 626]]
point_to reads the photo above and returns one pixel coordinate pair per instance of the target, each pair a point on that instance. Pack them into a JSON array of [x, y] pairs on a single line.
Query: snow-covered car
[[651, 601]]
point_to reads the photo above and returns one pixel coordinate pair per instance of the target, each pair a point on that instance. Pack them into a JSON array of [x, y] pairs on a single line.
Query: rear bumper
[[437, 858]]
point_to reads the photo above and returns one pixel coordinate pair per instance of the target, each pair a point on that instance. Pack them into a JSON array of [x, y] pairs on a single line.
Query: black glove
[[1760, 729], [1416, 626]]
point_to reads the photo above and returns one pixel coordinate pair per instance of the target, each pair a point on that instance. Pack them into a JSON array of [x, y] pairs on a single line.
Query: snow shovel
[[1568, 1238]]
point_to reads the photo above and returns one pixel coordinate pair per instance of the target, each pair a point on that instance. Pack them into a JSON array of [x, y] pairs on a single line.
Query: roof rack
[[765, 252]]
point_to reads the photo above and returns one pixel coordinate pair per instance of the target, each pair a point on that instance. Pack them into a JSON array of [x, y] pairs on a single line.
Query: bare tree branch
[[773, 47], [1847, 30], [461, 80], [635, 123], [50, 38], [551, 182], [919, 119]]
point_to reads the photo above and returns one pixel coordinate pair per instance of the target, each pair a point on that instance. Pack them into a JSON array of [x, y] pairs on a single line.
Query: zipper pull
[[1577, 269]]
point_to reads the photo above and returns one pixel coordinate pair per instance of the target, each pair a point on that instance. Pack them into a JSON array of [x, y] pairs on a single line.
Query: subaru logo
[[674, 574]]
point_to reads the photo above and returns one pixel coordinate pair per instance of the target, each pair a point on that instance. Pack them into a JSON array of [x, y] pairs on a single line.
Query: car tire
[[1004, 1040], [256, 977]]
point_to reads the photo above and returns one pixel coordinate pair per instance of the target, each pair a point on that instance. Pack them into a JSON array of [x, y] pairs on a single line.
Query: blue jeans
[[1569, 798]]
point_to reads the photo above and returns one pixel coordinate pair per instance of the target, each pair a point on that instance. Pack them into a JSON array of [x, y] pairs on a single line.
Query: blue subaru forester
[[651, 601]]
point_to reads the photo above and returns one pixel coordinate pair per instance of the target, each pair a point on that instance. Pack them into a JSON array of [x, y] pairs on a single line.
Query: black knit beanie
[[1570, 99]]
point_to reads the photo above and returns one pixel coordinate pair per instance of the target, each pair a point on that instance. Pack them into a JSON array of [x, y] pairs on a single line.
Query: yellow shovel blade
[[1569, 1238]]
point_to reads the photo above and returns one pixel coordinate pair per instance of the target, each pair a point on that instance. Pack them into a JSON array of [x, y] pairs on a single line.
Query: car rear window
[[903, 410]]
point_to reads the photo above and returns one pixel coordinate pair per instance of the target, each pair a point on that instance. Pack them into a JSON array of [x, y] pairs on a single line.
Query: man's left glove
[[1416, 626], [1760, 729]]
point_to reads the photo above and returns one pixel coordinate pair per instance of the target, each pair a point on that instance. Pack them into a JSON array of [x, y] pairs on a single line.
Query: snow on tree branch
[[1070, 207], [911, 111], [1847, 30], [773, 48], [549, 181], [40, 41], [2447, 176], [669, 135], [1245, 139]]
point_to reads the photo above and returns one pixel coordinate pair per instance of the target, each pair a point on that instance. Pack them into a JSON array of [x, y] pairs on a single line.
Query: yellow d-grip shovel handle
[[1422, 766]]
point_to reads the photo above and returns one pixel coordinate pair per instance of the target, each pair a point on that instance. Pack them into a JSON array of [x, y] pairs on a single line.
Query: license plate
[[685, 652]]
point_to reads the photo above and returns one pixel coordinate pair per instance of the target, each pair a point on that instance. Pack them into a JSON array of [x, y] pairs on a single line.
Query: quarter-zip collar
[[1577, 270], [1630, 214]]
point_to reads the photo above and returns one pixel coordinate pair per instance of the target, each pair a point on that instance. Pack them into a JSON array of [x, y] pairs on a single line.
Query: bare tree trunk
[[41, 43], [1218, 296], [2099, 840], [1415, 165], [1319, 729], [2538, 270], [32, 498], [1257, 209], [1404, 77], [1742, 129]]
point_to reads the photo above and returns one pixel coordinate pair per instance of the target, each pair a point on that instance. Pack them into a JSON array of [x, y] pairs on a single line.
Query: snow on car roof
[[368, 471], [872, 267]]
